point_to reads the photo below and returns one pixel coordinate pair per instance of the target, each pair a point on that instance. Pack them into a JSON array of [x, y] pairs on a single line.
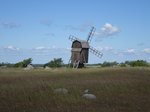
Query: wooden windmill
[[80, 50]]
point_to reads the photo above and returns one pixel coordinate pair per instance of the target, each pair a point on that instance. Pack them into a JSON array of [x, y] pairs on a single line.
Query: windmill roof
[[84, 43]]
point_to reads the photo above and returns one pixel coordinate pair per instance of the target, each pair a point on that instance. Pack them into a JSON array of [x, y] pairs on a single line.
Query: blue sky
[[39, 29]]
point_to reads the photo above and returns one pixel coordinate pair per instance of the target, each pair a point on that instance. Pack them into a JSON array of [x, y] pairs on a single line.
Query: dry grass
[[116, 89]]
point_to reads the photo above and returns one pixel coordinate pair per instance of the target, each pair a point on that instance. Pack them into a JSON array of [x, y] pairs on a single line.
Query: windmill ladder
[[76, 64]]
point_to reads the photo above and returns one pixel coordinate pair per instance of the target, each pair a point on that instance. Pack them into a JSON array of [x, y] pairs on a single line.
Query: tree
[[6, 64], [139, 63], [122, 65], [56, 62], [135, 63], [24, 63], [109, 64]]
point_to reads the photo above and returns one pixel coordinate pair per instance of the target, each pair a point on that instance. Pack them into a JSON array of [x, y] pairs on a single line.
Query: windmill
[[80, 50]]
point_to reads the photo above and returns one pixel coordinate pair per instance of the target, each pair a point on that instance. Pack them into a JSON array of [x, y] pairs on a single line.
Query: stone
[[3, 67], [61, 91], [89, 96], [47, 68], [29, 67], [86, 91]]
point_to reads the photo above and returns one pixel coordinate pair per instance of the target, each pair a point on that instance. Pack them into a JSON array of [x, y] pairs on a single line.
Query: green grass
[[116, 89]]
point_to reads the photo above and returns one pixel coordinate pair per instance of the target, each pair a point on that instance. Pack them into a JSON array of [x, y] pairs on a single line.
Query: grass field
[[116, 89]]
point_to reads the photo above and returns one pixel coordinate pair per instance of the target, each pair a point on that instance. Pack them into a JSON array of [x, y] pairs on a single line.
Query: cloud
[[40, 48], [81, 27], [47, 48], [130, 51], [47, 22], [147, 50], [10, 24], [104, 48], [108, 30], [10, 47], [54, 47]]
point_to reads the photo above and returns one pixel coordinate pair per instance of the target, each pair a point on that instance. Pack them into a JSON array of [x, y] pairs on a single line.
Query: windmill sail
[[73, 38], [89, 38], [96, 52]]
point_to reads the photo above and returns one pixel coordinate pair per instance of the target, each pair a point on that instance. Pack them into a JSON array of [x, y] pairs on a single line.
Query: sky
[[39, 29]]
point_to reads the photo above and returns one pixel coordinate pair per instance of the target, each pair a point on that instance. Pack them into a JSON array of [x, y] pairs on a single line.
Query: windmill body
[[80, 50]]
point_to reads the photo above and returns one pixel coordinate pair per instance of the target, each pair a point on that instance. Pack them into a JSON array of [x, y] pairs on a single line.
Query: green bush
[[109, 64], [57, 62], [6, 64], [23, 63], [2, 64], [139, 63], [123, 65]]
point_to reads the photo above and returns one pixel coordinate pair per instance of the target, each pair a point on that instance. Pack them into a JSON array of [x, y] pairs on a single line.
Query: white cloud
[[81, 27], [104, 48], [130, 51], [10, 24], [47, 48], [147, 50], [40, 48], [10, 47], [107, 30], [68, 48]]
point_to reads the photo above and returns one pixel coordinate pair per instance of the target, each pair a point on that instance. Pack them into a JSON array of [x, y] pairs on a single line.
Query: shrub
[[139, 63], [109, 64], [123, 65], [57, 62], [23, 63], [6, 64]]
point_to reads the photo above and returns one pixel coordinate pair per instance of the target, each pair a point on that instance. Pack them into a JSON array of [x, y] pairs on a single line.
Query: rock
[[86, 91], [3, 67], [47, 68], [89, 96], [29, 67], [61, 91]]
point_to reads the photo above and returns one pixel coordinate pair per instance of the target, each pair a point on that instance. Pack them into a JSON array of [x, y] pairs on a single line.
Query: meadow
[[116, 89]]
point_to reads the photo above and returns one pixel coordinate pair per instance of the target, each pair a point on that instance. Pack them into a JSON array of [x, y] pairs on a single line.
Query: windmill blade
[[96, 52], [73, 38], [89, 38]]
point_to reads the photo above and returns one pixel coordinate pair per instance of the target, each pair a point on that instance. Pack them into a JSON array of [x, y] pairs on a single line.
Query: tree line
[[136, 63], [58, 62]]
